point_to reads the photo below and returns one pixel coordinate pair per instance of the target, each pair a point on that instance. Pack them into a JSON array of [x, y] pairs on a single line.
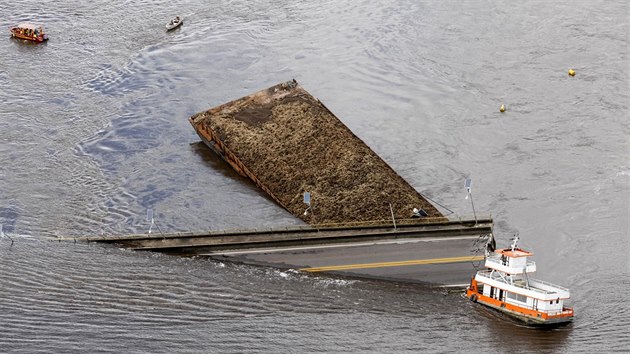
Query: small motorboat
[[174, 23], [29, 32], [506, 286]]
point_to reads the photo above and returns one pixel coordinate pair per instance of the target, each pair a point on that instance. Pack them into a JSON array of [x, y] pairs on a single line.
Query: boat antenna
[[514, 242]]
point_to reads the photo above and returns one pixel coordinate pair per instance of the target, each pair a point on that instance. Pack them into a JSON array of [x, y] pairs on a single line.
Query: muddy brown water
[[94, 131]]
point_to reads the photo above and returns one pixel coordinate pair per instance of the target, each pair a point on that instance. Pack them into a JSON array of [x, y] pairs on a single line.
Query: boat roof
[[28, 25], [517, 252]]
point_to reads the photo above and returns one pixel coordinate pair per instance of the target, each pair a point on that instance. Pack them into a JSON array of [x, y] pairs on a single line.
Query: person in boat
[[176, 19]]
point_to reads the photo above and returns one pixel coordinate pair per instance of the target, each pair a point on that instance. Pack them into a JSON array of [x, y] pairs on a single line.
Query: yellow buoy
[[502, 108], [571, 72]]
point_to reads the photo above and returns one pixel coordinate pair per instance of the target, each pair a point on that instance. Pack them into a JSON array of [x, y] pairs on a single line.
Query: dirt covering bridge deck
[[287, 142]]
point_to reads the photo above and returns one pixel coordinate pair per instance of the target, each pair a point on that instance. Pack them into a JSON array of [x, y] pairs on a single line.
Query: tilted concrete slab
[[287, 142]]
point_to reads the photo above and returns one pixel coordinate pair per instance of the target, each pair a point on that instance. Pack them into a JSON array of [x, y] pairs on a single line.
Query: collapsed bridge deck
[[287, 142], [437, 251]]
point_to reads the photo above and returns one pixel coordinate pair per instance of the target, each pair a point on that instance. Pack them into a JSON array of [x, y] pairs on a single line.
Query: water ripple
[[94, 131]]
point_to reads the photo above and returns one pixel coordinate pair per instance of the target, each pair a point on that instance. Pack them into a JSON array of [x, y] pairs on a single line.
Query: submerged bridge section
[[437, 251]]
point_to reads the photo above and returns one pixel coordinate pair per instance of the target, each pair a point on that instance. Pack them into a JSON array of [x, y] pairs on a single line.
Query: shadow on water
[[510, 334], [210, 158], [26, 46], [127, 135], [216, 163], [8, 218]]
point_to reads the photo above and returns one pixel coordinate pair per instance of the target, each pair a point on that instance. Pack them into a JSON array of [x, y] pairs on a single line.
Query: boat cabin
[[506, 286], [511, 261]]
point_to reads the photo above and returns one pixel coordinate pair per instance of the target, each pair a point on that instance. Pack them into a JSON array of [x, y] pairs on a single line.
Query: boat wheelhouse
[[506, 286], [29, 32]]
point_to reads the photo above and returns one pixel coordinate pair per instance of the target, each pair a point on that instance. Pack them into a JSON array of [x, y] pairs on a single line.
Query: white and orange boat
[[29, 32], [506, 286]]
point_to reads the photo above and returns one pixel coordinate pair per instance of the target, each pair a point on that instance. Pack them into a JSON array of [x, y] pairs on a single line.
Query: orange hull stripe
[[519, 309]]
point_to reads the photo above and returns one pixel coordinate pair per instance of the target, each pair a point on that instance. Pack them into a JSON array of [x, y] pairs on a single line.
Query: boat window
[[517, 297]]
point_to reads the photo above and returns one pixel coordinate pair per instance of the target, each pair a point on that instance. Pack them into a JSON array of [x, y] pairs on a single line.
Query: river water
[[94, 131]]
